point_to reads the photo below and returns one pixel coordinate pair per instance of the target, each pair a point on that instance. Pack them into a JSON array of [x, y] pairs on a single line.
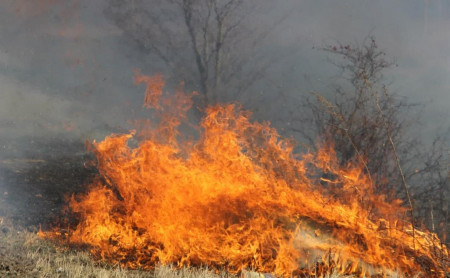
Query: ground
[[36, 176]]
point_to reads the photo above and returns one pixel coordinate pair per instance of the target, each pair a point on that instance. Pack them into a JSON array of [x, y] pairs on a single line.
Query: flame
[[238, 197]]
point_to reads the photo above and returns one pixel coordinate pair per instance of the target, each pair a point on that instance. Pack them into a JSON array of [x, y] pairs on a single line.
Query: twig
[[331, 110], [397, 159], [432, 217]]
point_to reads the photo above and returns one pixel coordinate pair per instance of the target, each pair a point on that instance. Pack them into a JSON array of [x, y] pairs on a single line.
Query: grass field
[[24, 254], [31, 194]]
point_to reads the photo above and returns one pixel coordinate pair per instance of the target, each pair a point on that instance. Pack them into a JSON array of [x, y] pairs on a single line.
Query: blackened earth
[[37, 175]]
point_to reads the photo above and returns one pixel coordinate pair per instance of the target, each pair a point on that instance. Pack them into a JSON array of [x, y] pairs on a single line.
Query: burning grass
[[24, 254], [239, 198]]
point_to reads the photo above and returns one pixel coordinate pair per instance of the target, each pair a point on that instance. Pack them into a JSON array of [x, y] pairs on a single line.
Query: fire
[[238, 197]]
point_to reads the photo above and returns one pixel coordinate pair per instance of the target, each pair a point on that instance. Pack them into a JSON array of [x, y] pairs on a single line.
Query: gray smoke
[[66, 69]]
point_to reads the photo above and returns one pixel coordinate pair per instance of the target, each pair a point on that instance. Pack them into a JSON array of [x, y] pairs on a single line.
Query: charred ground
[[36, 175]]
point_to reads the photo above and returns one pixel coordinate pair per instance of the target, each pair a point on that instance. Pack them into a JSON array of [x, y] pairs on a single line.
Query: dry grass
[[52, 262], [24, 254]]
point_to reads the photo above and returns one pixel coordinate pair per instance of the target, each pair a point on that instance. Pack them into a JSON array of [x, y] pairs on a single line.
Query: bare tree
[[363, 116], [370, 125], [431, 188], [210, 44]]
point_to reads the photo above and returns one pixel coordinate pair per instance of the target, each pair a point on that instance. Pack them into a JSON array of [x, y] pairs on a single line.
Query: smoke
[[61, 71], [66, 68], [414, 34], [66, 75]]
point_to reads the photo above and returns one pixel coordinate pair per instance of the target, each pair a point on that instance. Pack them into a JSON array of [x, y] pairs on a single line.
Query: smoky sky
[[66, 69]]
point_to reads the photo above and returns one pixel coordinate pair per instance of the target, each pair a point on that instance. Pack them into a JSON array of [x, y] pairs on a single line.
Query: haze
[[66, 69]]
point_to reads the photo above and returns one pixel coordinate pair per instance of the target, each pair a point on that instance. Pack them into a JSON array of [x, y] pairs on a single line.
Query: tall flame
[[237, 197]]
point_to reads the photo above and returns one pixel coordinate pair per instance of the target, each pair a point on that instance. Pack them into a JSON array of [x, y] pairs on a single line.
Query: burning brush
[[238, 198]]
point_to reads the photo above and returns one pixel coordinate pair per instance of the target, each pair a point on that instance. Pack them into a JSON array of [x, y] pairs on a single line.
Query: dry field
[[24, 254], [33, 184], [34, 178]]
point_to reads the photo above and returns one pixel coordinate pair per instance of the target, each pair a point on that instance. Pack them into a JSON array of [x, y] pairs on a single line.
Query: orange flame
[[154, 89], [239, 198]]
